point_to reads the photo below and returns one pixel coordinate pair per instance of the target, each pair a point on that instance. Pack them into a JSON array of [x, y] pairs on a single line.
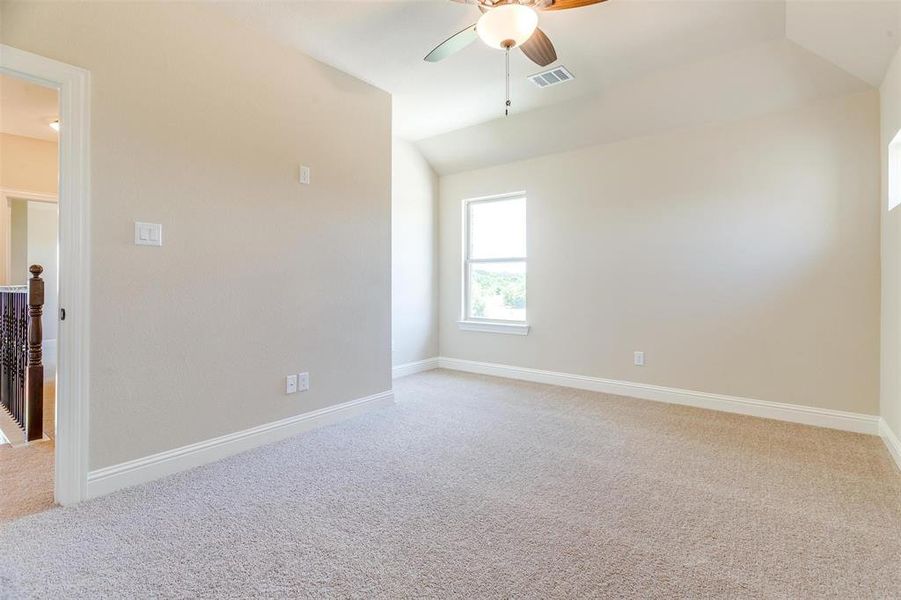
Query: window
[[894, 172], [494, 268]]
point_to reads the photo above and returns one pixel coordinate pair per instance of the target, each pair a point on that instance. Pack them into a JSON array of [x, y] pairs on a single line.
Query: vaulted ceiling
[[639, 66]]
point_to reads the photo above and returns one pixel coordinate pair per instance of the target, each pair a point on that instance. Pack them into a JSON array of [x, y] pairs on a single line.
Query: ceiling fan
[[506, 24]]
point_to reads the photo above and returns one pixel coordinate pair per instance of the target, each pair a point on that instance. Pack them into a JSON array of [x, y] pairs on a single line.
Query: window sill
[[494, 327]]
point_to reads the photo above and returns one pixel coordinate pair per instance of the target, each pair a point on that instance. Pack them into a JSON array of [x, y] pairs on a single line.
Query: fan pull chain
[[507, 59]]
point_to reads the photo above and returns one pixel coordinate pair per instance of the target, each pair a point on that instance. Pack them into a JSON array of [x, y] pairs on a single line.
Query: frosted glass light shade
[[507, 25]]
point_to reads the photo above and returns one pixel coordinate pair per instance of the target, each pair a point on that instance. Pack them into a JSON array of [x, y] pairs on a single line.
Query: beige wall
[[200, 124], [743, 258], [41, 249], [33, 235], [890, 93], [414, 251], [18, 243], [28, 164]]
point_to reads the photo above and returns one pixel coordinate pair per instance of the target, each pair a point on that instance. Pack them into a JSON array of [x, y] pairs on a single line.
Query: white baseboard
[[109, 479], [414, 367], [807, 415], [891, 441]]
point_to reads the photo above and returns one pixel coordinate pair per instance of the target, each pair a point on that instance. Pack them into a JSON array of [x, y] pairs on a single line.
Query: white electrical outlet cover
[[303, 382]]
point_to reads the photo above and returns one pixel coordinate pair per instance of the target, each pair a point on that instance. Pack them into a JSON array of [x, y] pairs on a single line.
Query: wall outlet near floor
[[291, 384], [639, 358], [303, 382]]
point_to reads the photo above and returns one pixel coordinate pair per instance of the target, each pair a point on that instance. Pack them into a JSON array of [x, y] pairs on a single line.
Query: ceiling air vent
[[551, 77]]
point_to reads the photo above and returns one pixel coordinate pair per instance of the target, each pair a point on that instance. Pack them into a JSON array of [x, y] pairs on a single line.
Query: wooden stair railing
[[21, 367]]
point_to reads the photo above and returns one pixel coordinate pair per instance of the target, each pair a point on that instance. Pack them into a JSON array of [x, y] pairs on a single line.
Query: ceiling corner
[[858, 37]]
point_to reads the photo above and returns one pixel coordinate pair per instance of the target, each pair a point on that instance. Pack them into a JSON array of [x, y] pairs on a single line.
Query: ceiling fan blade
[[564, 4], [539, 49], [453, 44]]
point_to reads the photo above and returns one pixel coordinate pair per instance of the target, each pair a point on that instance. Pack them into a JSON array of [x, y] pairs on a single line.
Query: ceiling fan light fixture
[[507, 26]]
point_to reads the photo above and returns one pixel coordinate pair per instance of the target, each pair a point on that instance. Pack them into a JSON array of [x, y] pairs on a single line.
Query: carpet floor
[[26, 471], [476, 487], [26, 480]]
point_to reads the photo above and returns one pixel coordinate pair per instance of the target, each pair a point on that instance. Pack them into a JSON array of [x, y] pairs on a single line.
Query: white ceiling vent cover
[[551, 77]]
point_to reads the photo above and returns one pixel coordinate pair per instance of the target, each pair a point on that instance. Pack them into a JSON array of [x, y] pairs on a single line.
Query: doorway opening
[[29, 250], [68, 315]]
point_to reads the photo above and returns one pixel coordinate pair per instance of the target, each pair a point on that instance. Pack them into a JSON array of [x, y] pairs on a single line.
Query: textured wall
[[742, 258], [200, 124], [890, 93], [414, 251], [27, 164]]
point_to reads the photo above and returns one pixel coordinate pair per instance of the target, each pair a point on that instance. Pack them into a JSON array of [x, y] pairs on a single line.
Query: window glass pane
[[894, 172], [498, 228], [498, 291]]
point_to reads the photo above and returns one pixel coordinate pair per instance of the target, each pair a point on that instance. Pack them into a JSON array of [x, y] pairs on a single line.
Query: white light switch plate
[[148, 234], [291, 384], [304, 175]]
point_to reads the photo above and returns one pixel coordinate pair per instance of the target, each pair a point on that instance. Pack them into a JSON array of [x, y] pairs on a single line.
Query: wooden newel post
[[34, 372]]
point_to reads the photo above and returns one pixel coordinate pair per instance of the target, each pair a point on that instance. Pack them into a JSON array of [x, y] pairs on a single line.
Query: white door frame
[[73, 83]]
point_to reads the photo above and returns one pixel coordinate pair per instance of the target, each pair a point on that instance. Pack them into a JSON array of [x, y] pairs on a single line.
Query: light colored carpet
[[26, 480], [26, 472], [474, 487]]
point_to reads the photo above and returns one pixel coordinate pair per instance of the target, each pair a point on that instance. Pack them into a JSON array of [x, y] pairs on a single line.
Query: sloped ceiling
[[384, 42], [640, 66], [860, 37], [765, 78]]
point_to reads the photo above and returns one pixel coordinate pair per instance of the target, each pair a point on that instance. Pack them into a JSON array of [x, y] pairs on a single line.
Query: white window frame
[[468, 322], [894, 172]]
